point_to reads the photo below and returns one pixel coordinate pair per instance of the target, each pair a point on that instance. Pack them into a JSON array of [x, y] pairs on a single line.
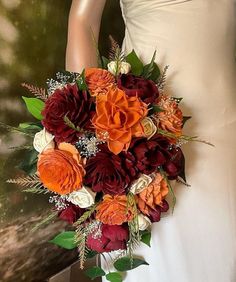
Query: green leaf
[[136, 64], [114, 277], [105, 62], [91, 254], [126, 263], [177, 100], [34, 106], [65, 240], [81, 81], [146, 237], [151, 70], [30, 126], [185, 118], [95, 272], [157, 109], [29, 162]]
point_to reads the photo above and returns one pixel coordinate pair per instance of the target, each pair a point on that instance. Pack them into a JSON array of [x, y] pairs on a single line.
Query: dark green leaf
[[95, 272], [185, 118], [146, 238], [34, 106], [114, 277], [125, 263], [157, 109], [81, 81], [136, 64], [30, 126], [65, 240], [105, 62], [177, 100], [91, 254], [151, 70], [29, 162]]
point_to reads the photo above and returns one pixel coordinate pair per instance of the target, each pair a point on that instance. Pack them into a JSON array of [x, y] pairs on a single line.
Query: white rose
[[141, 183], [125, 68], [43, 140], [149, 127], [122, 67], [143, 222], [83, 198]]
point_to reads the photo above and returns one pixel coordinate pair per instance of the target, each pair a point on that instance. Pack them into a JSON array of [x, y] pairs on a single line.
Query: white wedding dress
[[196, 38]]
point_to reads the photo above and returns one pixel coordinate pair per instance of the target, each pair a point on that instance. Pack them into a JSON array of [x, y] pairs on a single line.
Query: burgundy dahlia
[[144, 156], [73, 103], [114, 237], [155, 214], [106, 172], [145, 89]]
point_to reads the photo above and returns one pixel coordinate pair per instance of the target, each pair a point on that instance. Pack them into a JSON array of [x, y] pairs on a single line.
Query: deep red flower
[[144, 156], [145, 89], [71, 214], [114, 237], [73, 103], [106, 172]]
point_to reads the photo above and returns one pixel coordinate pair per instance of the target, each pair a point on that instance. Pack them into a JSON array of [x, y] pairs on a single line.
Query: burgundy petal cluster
[[145, 156], [138, 86], [107, 173], [114, 237], [71, 213], [71, 102]]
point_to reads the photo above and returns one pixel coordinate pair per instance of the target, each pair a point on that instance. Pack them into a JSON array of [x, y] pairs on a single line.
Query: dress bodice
[[196, 38]]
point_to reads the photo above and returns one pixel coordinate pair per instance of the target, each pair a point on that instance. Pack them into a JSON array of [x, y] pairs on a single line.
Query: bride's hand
[[84, 23]]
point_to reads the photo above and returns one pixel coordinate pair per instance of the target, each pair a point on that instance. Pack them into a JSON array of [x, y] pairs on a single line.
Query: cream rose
[[122, 67], [43, 140], [143, 222], [149, 127], [83, 198], [140, 184]]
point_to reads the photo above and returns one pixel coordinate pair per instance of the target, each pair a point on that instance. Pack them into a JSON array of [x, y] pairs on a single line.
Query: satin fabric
[[196, 38]]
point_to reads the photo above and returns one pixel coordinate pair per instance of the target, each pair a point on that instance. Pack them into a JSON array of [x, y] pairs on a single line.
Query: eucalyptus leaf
[[105, 62], [126, 263], [157, 109], [146, 238], [95, 272], [151, 71], [34, 106], [65, 240], [114, 277], [91, 254], [136, 64]]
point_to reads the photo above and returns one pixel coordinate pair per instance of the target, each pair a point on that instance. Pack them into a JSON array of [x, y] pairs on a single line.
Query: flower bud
[[140, 184], [149, 127], [83, 198], [143, 222]]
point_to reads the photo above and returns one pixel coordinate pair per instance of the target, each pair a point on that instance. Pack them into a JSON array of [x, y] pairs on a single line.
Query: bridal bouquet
[[106, 146]]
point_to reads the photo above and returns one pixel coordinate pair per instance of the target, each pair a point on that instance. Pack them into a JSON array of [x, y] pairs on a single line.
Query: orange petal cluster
[[113, 210], [153, 195], [61, 170], [99, 81], [171, 119], [120, 118]]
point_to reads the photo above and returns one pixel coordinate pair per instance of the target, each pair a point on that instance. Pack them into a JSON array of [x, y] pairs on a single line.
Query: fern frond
[[31, 181], [162, 80], [85, 216], [115, 53], [37, 190], [24, 147], [45, 221], [36, 91]]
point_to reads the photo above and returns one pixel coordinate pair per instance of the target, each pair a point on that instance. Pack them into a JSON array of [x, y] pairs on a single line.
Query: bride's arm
[[84, 20]]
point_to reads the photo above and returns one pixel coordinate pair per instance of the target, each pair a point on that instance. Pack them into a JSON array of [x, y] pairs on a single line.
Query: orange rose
[[61, 170], [171, 119], [99, 81], [113, 210], [119, 117], [153, 195]]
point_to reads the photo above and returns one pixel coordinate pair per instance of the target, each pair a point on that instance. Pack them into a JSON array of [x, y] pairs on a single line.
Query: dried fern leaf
[[36, 91], [162, 80]]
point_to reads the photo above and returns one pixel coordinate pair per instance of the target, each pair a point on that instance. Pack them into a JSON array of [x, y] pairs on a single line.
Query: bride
[[197, 39]]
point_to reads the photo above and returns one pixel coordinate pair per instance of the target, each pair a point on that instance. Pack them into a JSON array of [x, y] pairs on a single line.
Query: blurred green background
[[33, 37]]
